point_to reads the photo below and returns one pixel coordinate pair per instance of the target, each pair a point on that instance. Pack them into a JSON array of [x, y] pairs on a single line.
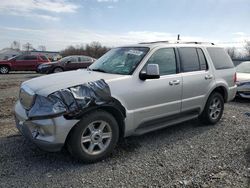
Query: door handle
[[208, 77], [174, 82]]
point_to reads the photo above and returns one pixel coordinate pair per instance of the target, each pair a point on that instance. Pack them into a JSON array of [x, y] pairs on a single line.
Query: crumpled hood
[[243, 77], [48, 84]]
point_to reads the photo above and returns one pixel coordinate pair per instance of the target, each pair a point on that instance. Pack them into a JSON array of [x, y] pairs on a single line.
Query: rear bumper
[[48, 134], [232, 93]]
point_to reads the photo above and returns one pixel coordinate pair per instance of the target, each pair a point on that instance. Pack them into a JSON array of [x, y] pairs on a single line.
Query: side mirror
[[69, 61], [152, 72]]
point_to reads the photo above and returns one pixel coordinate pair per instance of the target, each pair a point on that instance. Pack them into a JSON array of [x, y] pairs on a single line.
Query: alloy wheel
[[96, 137]]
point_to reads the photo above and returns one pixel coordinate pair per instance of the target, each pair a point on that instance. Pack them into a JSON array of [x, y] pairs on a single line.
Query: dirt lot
[[185, 155]]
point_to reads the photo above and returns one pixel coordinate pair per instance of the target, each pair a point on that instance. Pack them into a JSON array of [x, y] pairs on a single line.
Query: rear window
[[220, 58]]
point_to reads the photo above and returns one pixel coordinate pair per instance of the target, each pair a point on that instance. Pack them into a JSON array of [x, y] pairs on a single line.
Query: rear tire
[[213, 110], [94, 137], [4, 70]]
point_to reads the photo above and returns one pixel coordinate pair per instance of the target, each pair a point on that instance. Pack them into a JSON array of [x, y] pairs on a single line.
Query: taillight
[[235, 77]]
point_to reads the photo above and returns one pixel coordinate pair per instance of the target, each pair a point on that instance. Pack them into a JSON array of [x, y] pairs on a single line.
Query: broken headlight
[[26, 97], [46, 107]]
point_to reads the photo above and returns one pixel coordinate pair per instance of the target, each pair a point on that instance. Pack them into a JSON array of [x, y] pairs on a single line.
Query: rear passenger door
[[197, 77]]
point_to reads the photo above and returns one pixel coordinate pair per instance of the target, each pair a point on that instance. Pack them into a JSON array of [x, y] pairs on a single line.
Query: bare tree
[[247, 48], [232, 52], [94, 49], [27, 47], [42, 48], [15, 45]]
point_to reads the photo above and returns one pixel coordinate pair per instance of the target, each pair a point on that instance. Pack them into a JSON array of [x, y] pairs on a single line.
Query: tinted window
[[73, 60], [189, 59], [165, 58], [30, 57], [220, 58], [203, 62], [19, 57]]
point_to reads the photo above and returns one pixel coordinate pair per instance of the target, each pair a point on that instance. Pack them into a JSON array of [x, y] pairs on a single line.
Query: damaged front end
[[71, 102]]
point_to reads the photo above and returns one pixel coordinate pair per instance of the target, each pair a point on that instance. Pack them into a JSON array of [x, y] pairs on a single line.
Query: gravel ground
[[185, 155]]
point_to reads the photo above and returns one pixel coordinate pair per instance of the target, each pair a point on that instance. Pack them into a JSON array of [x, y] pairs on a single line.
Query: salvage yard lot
[[185, 155]]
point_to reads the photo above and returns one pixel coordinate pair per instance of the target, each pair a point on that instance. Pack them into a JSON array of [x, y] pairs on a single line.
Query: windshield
[[14, 57], [122, 60], [243, 67], [65, 59]]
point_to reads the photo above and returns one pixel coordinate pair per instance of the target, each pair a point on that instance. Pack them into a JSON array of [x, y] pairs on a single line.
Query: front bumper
[[243, 90], [44, 70], [48, 134]]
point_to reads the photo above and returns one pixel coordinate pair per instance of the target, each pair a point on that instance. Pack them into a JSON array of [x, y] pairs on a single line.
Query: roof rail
[[177, 42], [196, 42], [166, 41]]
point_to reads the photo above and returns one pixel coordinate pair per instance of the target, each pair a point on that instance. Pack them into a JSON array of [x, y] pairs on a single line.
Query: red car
[[22, 63]]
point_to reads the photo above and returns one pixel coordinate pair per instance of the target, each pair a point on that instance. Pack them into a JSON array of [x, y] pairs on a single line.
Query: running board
[[160, 123]]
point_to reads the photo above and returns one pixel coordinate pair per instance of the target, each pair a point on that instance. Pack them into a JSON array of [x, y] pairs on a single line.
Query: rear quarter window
[[220, 58]]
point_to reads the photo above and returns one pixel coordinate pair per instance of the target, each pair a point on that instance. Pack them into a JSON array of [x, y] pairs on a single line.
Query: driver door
[[159, 98]]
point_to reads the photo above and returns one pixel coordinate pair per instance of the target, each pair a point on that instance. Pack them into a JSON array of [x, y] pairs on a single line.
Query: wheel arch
[[6, 65], [57, 67], [116, 109]]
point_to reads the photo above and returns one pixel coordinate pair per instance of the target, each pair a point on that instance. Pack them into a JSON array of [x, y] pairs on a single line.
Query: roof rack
[[177, 42]]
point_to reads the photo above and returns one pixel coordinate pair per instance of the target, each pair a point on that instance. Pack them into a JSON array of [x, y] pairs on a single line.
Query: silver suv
[[130, 90]]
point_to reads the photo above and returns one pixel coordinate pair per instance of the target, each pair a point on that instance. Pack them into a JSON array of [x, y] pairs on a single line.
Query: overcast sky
[[59, 23]]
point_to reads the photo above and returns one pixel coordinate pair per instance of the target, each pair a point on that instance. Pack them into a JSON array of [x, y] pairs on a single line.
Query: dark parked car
[[22, 63], [65, 64]]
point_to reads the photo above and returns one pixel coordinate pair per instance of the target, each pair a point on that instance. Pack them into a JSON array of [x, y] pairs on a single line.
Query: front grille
[[26, 97]]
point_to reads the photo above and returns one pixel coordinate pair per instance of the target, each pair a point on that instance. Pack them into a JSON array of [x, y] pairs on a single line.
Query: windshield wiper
[[98, 70]]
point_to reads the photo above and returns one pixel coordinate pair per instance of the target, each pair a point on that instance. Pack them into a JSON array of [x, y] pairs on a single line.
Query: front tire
[[213, 110], [57, 69], [4, 70], [94, 137]]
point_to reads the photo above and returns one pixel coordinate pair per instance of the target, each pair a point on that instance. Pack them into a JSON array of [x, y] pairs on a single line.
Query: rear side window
[[189, 59], [166, 60], [220, 58]]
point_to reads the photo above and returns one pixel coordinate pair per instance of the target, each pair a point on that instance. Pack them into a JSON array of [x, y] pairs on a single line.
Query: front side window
[[189, 59], [30, 58], [166, 60], [73, 60], [84, 59], [19, 58], [122, 60]]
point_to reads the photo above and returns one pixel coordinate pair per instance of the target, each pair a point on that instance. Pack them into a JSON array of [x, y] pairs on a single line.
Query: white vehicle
[[130, 90], [243, 79]]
